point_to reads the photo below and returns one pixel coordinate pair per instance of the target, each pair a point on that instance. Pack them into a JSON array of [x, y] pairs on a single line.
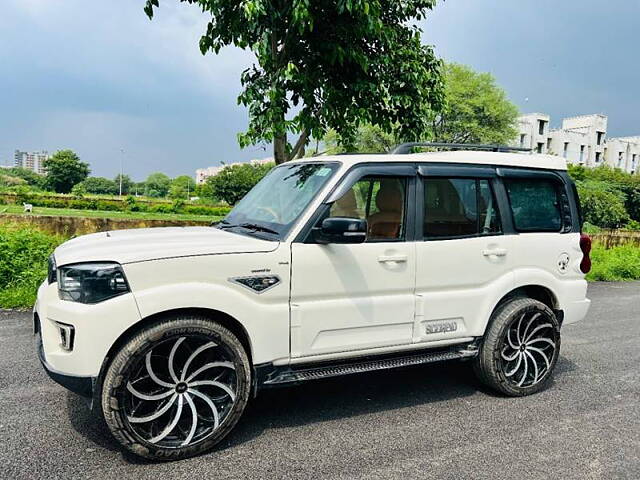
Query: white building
[[581, 140], [33, 161], [203, 173]]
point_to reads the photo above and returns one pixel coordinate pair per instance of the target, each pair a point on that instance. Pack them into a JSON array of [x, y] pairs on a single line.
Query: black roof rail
[[406, 148]]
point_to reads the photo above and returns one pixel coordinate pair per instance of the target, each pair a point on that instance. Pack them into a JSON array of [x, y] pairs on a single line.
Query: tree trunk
[[280, 149]]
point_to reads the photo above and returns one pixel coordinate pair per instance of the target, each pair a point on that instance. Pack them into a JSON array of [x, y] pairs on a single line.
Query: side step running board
[[293, 375]]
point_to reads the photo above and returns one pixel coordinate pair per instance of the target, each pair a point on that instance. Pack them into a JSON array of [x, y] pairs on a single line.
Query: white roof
[[549, 162]]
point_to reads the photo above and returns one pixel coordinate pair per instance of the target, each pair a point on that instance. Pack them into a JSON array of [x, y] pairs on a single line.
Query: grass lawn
[[69, 212]]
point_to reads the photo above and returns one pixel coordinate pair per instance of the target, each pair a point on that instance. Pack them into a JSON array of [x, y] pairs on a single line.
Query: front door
[[355, 297]]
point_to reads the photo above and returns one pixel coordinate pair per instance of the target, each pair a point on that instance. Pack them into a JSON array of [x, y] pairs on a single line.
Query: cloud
[[99, 76]]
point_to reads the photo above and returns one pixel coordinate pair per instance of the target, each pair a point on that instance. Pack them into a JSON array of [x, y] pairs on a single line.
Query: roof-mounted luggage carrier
[[407, 148]]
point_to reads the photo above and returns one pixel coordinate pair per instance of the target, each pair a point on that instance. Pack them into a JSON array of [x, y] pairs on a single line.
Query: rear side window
[[459, 207], [535, 204]]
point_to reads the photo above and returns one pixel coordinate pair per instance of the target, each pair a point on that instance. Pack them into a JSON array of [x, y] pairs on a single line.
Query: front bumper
[[81, 385], [96, 328]]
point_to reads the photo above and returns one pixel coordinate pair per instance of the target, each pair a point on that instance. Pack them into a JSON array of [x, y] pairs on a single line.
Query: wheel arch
[[537, 292], [218, 316]]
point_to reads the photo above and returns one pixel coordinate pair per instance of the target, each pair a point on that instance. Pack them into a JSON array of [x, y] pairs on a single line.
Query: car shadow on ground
[[325, 400]]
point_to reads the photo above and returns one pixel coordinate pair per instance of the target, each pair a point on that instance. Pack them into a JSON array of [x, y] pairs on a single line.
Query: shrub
[[206, 210], [616, 264], [602, 205], [632, 226], [23, 263]]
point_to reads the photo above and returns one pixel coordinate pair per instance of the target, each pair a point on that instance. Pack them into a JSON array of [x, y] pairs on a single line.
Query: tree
[[29, 176], [100, 186], [234, 181], [615, 180], [476, 109], [157, 185], [11, 181], [182, 187], [64, 169], [602, 205], [126, 184], [327, 64], [368, 139]]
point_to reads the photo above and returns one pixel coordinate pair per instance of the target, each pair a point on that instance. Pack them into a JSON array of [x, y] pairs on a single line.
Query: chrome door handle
[[495, 252], [392, 258]]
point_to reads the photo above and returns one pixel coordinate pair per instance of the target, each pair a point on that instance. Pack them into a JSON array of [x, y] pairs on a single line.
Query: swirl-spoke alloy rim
[[180, 391], [528, 349]]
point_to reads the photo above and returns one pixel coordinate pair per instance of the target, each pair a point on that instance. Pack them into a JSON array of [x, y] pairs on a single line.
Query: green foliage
[[476, 109], [616, 264], [157, 185], [23, 263], [79, 190], [234, 181], [100, 186], [129, 204], [602, 205], [29, 176], [614, 180], [64, 170], [9, 181], [590, 229], [632, 226], [182, 187], [127, 184], [327, 64], [368, 139]]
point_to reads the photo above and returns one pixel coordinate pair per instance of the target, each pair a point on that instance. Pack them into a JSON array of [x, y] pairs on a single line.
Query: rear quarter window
[[535, 204]]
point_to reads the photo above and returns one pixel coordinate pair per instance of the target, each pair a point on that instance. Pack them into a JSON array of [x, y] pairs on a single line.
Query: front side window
[[378, 200], [459, 207], [535, 205], [273, 206]]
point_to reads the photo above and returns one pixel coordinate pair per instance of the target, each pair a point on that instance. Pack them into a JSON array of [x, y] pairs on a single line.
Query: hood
[[138, 245]]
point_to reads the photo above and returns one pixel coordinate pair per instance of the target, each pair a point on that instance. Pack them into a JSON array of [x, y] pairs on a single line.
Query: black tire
[[199, 423], [521, 363]]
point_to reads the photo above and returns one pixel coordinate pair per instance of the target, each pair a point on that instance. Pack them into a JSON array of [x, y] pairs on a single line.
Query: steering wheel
[[270, 211]]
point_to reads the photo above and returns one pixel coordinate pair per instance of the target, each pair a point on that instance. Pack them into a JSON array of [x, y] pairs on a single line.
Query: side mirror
[[341, 230]]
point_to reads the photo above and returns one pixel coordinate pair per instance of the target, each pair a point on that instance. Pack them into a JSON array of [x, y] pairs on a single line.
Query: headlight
[[52, 274], [91, 282]]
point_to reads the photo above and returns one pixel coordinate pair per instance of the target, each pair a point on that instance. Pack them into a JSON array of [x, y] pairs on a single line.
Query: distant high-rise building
[[33, 161], [582, 140]]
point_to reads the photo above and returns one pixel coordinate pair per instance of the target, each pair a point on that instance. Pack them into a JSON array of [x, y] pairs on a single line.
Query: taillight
[[585, 246]]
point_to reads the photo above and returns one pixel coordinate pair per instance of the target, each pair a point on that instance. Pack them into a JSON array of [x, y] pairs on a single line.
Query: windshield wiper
[[249, 226], [258, 228]]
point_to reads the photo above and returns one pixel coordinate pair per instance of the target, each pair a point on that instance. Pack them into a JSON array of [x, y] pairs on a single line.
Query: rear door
[[462, 255], [548, 247]]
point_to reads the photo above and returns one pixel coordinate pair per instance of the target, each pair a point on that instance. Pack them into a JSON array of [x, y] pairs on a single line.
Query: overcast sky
[[100, 78]]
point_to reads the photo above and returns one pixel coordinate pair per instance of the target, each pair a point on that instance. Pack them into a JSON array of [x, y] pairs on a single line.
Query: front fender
[[266, 322]]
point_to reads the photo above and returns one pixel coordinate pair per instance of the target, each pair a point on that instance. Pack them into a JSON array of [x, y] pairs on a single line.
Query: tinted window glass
[[456, 207], [380, 201], [535, 205]]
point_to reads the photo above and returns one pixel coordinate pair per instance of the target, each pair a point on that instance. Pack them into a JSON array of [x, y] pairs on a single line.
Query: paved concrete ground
[[425, 422]]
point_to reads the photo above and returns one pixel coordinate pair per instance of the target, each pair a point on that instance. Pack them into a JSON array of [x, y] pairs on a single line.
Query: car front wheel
[[520, 348], [176, 388]]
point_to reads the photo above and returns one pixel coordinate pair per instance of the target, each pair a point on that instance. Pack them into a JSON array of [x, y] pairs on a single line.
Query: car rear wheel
[[520, 348], [176, 388]]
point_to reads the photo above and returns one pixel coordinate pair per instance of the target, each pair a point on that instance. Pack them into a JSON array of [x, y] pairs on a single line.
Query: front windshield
[[275, 203]]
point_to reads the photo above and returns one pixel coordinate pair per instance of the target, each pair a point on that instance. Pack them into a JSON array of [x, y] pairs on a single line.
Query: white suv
[[330, 266]]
